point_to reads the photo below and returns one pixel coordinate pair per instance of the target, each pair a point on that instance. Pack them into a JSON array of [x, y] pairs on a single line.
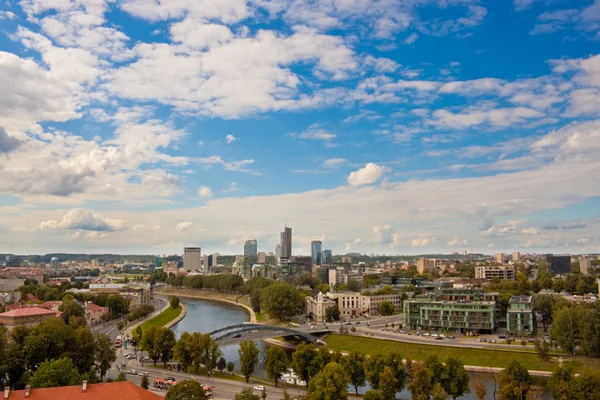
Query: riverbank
[[211, 296], [166, 318]]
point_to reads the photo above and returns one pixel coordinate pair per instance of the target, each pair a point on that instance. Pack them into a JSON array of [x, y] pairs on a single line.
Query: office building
[[323, 274], [315, 251], [504, 272], [278, 250], [584, 266], [516, 256], [192, 259], [370, 304], [424, 265], [325, 257], [54, 263], [316, 307], [499, 258], [558, 264], [286, 243], [12, 261], [520, 319], [348, 303], [251, 249], [261, 257]]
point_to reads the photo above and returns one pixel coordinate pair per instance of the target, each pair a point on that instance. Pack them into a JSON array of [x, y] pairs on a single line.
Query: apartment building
[[369, 304], [504, 272], [520, 319], [348, 303]]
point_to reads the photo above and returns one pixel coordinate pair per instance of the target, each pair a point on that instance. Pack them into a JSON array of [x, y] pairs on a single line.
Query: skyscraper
[[286, 243], [325, 257], [278, 250], [315, 251], [192, 258], [251, 248]]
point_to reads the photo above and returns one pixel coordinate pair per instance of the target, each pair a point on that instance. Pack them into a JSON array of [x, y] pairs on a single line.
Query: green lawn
[[163, 318], [480, 357]]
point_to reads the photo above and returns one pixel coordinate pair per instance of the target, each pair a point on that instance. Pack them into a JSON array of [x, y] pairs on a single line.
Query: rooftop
[[101, 391], [27, 311], [520, 299]]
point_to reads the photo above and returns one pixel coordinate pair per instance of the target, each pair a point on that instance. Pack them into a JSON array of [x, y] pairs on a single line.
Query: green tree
[[387, 384], [165, 344], [53, 373], [436, 367], [248, 358], [420, 385], [322, 358], [70, 308], [456, 380], [385, 308], [515, 382], [83, 355], [281, 300], [183, 351], [394, 361], [277, 363], [302, 361], [230, 366], [544, 305], [565, 328], [353, 285], [543, 348], [590, 331], [186, 390], [104, 352], [145, 384], [438, 392], [116, 305], [212, 353], [148, 343], [174, 302], [221, 364], [121, 377], [354, 365], [247, 394], [373, 395], [49, 340], [374, 367], [331, 383], [332, 313]]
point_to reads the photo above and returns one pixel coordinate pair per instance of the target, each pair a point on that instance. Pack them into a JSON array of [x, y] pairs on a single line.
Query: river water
[[206, 316]]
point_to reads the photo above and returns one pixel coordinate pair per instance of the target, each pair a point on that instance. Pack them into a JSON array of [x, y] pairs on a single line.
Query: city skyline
[[375, 127]]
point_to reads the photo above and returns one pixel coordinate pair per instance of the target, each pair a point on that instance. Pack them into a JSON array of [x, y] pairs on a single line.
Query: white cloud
[[230, 139], [184, 226], [7, 15], [85, 220], [456, 241], [500, 117], [370, 173], [233, 187], [411, 38], [422, 241], [204, 191], [315, 132], [334, 162], [529, 231]]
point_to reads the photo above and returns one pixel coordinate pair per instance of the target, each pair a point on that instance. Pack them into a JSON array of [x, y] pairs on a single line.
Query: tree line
[[220, 282]]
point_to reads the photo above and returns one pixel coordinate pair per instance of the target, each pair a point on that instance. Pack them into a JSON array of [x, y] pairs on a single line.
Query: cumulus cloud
[[370, 173], [334, 162], [204, 191], [422, 241], [230, 139], [315, 132], [184, 226], [233, 187], [8, 143], [411, 38], [82, 219]]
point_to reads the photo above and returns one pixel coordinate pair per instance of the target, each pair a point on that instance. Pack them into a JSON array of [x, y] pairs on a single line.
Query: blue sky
[[397, 127]]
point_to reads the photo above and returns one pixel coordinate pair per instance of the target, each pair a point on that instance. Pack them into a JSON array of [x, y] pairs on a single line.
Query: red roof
[[28, 311], [101, 391], [91, 307]]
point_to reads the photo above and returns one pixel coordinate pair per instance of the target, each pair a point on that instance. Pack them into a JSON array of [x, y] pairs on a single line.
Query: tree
[[544, 304], [247, 394], [374, 367], [330, 383], [565, 328], [385, 308], [121, 377], [353, 285], [515, 382], [322, 358], [248, 358], [590, 331], [148, 343], [436, 367], [543, 348], [456, 380], [70, 308], [55, 373], [277, 363], [83, 355], [281, 300], [387, 384], [302, 361], [212, 353], [221, 364], [373, 395], [332, 313], [420, 386], [104, 352], [165, 344], [230, 367], [174, 302], [480, 389], [438, 392], [182, 351], [49, 340], [186, 390], [354, 364], [116, 305], [145, 382]]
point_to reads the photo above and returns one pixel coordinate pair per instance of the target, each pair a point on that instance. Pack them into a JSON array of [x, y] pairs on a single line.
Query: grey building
[[286, 243], [251, 248], [325, 257], [559, 264], [519, 316], [192, 258], [315, 251]]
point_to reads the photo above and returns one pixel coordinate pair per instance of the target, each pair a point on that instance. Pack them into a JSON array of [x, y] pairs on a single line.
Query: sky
[[376, 126]]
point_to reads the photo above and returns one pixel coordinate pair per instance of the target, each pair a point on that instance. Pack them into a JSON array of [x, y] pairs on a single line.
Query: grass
[[480, 357], [163, 318]]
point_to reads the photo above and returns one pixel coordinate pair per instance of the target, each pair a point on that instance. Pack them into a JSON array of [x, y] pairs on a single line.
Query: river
[[205, 316]]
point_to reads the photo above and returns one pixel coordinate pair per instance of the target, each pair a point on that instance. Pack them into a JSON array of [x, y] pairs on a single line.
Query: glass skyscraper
[[315, 251], [250, 248]]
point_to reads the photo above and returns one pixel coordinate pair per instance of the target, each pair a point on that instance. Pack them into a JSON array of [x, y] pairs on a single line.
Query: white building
[[317, 307], [424, 265], [192, 259], [516, 256], [261, 257], [585, 264], [369, 304], [348, 303], [500, 258], [495, 271]]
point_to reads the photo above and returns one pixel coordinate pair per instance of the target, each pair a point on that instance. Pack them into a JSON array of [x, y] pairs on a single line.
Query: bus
[[118, 341]]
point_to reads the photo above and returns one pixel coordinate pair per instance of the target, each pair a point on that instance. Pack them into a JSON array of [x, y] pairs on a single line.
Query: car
[[439, 338], [434, 335], [238, 335], [493, 341], [426, 334], [130, 356], [143, 373], [479, 339], [132, 372], [259, 388], [442, 335], [484, 340], [170, 378]]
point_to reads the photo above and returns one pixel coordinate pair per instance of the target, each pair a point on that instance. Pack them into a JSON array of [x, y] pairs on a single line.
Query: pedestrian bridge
[[236, 333]]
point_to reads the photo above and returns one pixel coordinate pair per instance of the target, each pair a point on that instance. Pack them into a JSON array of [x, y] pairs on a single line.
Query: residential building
[[520, 319], [326, 257], [11, 284], [251, 248], [99, 391], [22, 273], [424, 265], [558, 264], [94, 313], [286, 243], [585, 264], [261, 257], [504, 272], [499, 258], [137, 293], [348, 303], [315, 251], [369, 304], [26, 316], [242, 266], [192, 258], [333, 278], [316, 307], [516, 256]]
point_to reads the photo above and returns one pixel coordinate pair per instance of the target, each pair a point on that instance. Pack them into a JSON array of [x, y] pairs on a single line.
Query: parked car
[[237, 335], [259, 388], [171, 378], [143, 373], [132, 372]]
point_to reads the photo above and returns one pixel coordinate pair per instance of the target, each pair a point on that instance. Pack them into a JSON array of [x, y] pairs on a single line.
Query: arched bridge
[[236, 333]]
